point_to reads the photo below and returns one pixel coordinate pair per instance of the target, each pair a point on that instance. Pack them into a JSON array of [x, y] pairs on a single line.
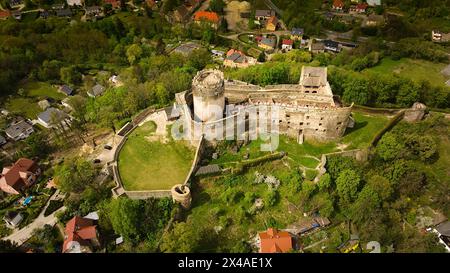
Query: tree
[[217, 6], [424, 147], [133, 53], [126, 218], [347, 185], [325, 182], [356, 90], [181, 239], [6, 246], [70, 75], [75, 175], [368, 201], [389, 147]]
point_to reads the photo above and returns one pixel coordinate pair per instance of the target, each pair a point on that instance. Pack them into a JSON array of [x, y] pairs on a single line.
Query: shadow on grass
[[358, 125]]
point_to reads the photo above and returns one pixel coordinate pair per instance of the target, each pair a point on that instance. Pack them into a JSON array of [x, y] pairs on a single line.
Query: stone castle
[[307, 110]]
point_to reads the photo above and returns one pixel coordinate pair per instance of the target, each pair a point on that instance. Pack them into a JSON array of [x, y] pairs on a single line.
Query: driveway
[[24, 234]]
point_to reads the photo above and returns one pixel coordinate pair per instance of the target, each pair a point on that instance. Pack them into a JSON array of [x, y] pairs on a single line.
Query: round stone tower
[[182, 195], [208, 94]]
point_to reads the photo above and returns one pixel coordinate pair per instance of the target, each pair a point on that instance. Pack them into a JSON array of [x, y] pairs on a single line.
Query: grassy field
[[366, 126], [26, 105], [413, 69], [150, 164]]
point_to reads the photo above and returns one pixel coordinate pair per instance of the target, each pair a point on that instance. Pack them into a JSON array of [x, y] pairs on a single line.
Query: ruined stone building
[[307, 110]]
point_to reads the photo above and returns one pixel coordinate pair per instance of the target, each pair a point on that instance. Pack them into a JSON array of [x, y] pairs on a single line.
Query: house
[[15, 3], [286, 44], [235, 58], [58, 6], [17, 14], [16, 178], [267, 43], [186, 48], [44, 104], [316, 47], [338, 5], [72, 3], [19, 129], [65, 89], [207, 16], [94, 11], [440, 37], [66, 103], [374, 3], [96, 91], [359, 8], [115, 80], [115, 4], [373, 20], [64, 13], [192, 4], [272, 23], [263, 14], [2, 140], [443, 232], [332, 46], [51, 117], [151, 4], [217, 53], [296, 33], [4, 14], [274, 241], [44, 14], [12, 219], [81, 236], [180, 14]]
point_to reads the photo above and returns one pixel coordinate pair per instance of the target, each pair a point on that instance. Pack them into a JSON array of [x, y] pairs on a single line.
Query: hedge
[[397, 118]]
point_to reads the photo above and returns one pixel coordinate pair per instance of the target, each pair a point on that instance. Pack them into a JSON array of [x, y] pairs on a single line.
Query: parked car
[[107, 147], [96, 161]]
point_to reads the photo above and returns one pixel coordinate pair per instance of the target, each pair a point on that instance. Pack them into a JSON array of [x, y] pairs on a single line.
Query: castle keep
[[307, 110]]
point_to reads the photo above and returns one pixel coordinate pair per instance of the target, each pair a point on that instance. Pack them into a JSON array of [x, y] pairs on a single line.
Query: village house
[[192, 4], [115, 4], [72, 3], [65, 89], [58, 6], [52, 117], [296, 34], [44, 104], [81, 236], [267, 43], [443, 232], [13, 219], [151, 4], [286, 44], [373, 3], [94, 12], [338, 5], [272, 23], [4, 14], [18, 177], [209, 17], [96, 91], [359, 8], [19, 129], [373, 20], [66, 104], [2, 140], [264, 14], [15, 3], [44, 14], [440, 37], [332, 46], [17, 14], [187, 48], [316, 47], [236, 58], [274, 241], [64, 13]]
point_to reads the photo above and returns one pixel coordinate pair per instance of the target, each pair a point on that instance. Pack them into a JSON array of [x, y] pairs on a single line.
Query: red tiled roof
[[231, 51], [114, 3], [274, 241], [338, 4], [206, 15], [80, 230], [272, 20], [4, 13], [287, 42], [12, 175], [362, 6]]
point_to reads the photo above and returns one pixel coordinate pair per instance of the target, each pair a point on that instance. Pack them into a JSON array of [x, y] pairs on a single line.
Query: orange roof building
[[274, 241], [208, 16], [4, 14], [338, 4], [14, 179], [81, 234]]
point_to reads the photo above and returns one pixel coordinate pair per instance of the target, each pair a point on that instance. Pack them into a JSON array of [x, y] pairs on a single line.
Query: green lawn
[[150, 164], [26, 104], [413, 69], [366, 126]]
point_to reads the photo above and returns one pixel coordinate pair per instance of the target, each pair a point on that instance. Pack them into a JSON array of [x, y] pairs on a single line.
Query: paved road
[[24, 234]]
